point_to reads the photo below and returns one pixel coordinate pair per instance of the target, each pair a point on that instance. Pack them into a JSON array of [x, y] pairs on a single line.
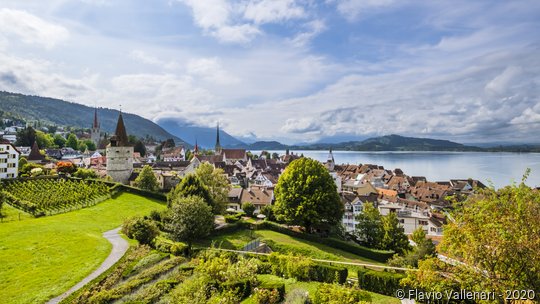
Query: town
[[252, 178]]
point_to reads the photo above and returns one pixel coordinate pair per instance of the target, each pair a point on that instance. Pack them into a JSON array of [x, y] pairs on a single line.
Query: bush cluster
[[168, 246], [382, 282], [140, 229], [336, 294], [304, 269]]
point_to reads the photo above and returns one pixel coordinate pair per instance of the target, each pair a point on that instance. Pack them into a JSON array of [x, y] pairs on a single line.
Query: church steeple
[[95, 133], [217, 148], [120, 137], [96, 123], [196, 149]]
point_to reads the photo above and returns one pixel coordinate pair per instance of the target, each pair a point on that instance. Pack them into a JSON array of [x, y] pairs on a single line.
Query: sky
[[288, 70]]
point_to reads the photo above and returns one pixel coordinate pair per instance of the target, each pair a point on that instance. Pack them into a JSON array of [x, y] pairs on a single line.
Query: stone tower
[[95, 134], [120, 154], [217, 148]]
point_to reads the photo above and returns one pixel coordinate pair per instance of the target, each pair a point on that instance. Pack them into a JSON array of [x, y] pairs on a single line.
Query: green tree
[[90, 145], [147, 179], [216, 183], [140, 148], [59, 141], [72, 141], [140, 229], [2, 200], [306, 195], [394, 237], [85, 173], [191, 219], [191, 185], [424, 245], [369, 230], [495, 235], [26, 137], [44, 140], [248, 208]]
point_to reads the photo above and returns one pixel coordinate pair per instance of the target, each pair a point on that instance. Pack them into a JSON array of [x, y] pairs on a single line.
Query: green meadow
[[43, 257]]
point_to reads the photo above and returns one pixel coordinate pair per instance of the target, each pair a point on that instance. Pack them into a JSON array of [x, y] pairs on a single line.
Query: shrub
[[248, 208], [266, 296], [304, 269], [336, 294], [140, 229], [231, 218], [382, 282], [241, 288], [297, 296], [168, 246]]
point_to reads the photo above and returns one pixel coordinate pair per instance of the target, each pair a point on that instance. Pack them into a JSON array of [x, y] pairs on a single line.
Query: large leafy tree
[[59, 141], [140, 147], [370, 229], [191, 185], [72, 141], [191, 219], [44, 140], [394, 237], [26, 137], [147, 179], [216, 183], [496, 238], [306, 195]]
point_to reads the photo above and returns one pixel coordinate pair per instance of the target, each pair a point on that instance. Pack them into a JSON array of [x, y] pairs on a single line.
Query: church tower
[[120, 154], [95, 134], [330, 163], [218, 148]]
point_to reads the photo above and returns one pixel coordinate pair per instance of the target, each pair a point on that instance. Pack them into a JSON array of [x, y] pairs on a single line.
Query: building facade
[[9, 160]]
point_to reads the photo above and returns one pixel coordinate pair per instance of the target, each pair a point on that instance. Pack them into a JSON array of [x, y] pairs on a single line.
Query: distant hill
[[383, 143], [64, 113], [206, 137]]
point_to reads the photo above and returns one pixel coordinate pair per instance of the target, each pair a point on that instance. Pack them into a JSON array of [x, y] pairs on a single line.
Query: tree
[[369, 230], [26, 137], [191, 219], [268, 211], [140, 229], [85, 173], [59, 141], [65, 167], [44, 140], [147, 179], [495, 235], [394, 237], [216, 183], [424, 246], [90, 145], [192, 185], [140, 148], [306, 195], [2, 200], [72, 141], [248, 208]]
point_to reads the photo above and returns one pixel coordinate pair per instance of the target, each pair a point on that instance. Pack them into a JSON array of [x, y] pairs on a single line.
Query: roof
[[387, 192], [120, 132], [34, 153], [234, 153], [7, 142], [257, 195]]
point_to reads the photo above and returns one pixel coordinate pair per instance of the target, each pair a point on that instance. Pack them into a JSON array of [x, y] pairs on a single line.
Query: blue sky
[[291, 70]]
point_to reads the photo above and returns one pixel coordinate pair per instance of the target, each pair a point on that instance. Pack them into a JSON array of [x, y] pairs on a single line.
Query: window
[[433, 229], [423, 223], [3, 170], [402, 221]]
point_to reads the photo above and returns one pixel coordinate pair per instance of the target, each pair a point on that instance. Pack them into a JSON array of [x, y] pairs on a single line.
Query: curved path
[[119, 248]]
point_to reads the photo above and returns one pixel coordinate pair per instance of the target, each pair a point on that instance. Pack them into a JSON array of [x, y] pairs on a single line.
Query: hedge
[[386, 283], [279, 286], [303, 269], [373, 254], [242, 287], [168, 246], [145, 193]]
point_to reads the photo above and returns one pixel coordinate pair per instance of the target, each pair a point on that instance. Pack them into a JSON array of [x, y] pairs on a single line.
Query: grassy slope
[[44, 257], [286, 243]]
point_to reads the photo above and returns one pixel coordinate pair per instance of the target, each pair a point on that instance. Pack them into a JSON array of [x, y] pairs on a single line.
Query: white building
[[9, 160], [413, 215]]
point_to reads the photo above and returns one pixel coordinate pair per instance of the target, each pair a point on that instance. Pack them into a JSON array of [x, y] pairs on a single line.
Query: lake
[[499, 168]]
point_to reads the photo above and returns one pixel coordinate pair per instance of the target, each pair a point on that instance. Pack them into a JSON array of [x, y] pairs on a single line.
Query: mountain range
[[64, 113]]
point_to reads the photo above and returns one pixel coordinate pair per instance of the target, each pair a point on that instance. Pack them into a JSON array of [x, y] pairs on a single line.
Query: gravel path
[[120, 246]]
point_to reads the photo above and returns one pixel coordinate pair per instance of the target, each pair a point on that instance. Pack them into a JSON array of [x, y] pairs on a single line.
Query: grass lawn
[[43, 257], [10, 214]]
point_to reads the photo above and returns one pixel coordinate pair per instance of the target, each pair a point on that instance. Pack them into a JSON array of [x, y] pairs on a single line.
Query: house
[[174, 154], [234, 198], [167, 180], [353, 206], [35, 155], [233, 155], [414, 214], [260, 196], [9, 159]]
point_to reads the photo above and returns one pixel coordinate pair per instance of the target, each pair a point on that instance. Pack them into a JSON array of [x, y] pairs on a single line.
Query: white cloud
[[210, 69], [352, 9], [145, 58], [236, 33], [314, 28], [269, 11], [30, 29]]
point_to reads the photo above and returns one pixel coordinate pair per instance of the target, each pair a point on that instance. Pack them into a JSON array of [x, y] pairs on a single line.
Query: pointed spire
[[96, 123], [120, 133], [35, 155], [218, 144], [331, 156], [196, 150]]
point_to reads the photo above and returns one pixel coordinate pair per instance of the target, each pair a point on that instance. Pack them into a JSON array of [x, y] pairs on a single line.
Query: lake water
[[499, 168]]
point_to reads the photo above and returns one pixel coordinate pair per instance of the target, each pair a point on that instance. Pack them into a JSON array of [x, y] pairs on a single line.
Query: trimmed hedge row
[[278, 286], [304, 269], [149, 194], [242, 287], [373, 254], [168, 246], [386, 283]]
